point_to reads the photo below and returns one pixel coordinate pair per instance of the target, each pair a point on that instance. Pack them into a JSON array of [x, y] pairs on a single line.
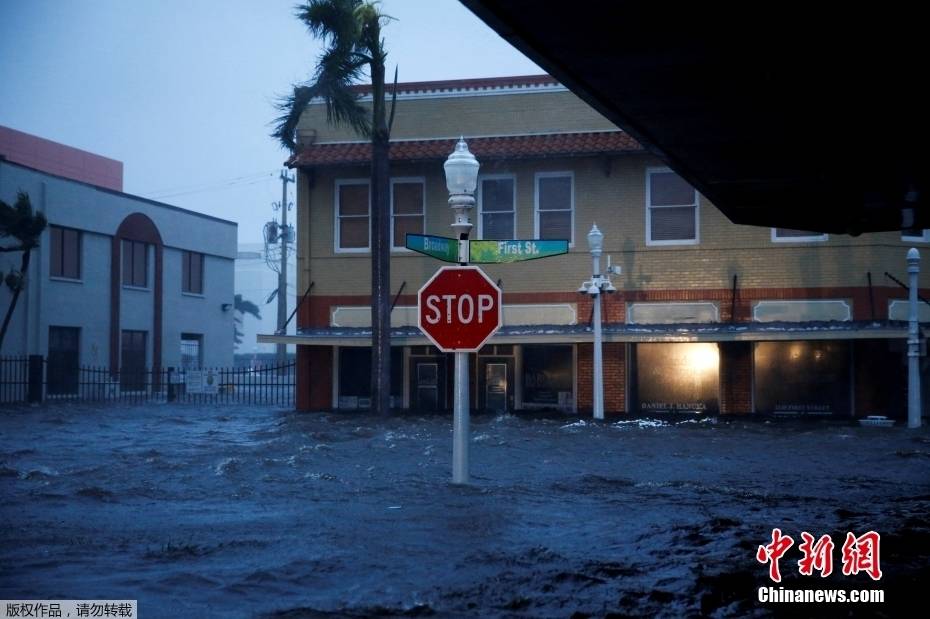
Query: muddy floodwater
[[256, 512]]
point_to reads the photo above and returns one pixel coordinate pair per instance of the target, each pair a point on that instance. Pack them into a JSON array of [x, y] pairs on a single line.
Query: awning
[[570, 334]]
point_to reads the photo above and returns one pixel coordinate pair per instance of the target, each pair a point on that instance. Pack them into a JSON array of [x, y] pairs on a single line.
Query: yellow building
[[709, 315]]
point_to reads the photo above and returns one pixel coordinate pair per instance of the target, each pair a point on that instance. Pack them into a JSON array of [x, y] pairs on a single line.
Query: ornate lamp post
[[599, 283], [461, 180]]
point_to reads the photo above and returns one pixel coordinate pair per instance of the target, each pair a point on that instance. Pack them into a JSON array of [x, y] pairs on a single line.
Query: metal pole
[[913, 343], [598, 400], [461, 205], [282, 275], [460, 430]]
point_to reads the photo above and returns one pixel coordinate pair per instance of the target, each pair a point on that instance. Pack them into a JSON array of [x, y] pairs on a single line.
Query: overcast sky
[[182, 92]]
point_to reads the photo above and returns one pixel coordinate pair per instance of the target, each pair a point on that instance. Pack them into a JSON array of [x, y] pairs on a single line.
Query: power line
[[181, 190]]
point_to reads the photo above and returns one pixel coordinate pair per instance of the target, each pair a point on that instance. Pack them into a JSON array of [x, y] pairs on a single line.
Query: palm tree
[[352, 32], [242, 307], [20, 223]]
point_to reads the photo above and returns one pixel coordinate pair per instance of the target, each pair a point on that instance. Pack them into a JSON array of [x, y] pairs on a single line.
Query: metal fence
[[32, 379]]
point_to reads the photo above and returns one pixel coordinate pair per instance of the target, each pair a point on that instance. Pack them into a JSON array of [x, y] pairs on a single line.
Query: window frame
[[337, 247], [185, 254], [811, 238], [80, 253], [404, 180], [571, 209], [145, 254], [697, 211], [923, 238], [480, 199]]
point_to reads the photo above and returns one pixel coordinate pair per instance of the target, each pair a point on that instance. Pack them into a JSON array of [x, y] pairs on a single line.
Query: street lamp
[[599, 283], [461, 180]]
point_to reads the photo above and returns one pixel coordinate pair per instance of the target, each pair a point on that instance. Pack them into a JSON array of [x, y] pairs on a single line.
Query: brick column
[[585, 394], [314, 378], [735, 377], [615, 377]]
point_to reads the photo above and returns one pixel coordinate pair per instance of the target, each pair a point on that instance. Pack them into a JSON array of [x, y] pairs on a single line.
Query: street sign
[[488, 252], [440, 247], [459, 309]]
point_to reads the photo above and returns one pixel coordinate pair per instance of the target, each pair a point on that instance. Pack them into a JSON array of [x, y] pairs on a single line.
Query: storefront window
[[802, 377], [678, 377], [547, 375], [355, 376]]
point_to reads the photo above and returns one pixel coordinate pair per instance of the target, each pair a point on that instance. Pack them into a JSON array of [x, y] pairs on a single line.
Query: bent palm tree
[[352, 30], [20, 223], [242, 307]]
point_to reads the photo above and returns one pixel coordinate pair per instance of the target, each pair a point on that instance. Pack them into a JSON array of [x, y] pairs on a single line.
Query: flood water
[[242, 512]]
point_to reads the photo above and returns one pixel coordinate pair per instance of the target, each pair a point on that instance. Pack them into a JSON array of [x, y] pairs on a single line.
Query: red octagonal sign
[[459, 308]]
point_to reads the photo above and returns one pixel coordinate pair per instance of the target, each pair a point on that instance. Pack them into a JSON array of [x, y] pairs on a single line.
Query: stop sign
[[459, 308]]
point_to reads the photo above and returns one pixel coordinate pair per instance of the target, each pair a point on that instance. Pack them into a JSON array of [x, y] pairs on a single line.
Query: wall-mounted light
[[226, 307]]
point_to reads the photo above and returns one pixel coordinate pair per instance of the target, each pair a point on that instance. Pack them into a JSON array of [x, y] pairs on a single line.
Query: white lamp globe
[[461, 170], [595, 240]]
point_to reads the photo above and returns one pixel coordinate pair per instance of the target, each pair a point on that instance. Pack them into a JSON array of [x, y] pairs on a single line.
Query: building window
[[63, 354], [132, 361], [671, 209], [135, 263], [353, 206], [787, 235], [408, 209], [555, 205], [497, 217], [355, 376], [917, 236], [191, 351], [192, 272], [65, 255], [548, 375]]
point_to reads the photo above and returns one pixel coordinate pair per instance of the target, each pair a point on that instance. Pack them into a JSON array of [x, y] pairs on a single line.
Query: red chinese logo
[[860, 554], [773, 552], [817, 556]]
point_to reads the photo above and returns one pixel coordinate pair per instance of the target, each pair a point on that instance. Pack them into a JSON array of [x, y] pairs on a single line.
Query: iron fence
[[31, 379]]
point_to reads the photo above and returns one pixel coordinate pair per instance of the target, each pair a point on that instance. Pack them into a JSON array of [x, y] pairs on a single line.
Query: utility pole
[[282, 274]]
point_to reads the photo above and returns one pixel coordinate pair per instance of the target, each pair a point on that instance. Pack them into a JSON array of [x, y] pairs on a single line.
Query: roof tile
[[490, 148]]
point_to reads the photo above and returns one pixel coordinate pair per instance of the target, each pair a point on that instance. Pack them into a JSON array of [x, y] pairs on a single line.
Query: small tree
[[19, 223]]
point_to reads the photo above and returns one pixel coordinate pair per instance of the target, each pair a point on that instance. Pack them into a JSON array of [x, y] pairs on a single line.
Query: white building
[[119, 281]]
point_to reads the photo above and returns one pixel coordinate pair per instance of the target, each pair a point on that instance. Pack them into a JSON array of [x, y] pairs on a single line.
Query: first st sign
[[459, 309]]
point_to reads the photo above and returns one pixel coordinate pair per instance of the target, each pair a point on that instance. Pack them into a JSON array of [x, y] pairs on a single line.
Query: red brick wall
[[615, 368], [735, 377], [314, 378]]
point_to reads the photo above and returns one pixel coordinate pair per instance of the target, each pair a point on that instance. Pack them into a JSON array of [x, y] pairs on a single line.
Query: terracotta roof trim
[[497, 147]]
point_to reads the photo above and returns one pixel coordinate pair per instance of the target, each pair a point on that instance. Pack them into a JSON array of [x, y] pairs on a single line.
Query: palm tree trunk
[[381, 249], [24, 267]]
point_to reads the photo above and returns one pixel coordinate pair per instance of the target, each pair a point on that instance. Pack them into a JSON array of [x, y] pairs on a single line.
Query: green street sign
[[440, 247], [488, 252]]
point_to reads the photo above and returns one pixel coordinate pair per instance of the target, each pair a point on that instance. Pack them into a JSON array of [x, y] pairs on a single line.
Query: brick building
[[708, 316]]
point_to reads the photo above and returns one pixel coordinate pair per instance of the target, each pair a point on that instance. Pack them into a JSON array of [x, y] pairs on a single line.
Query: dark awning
[[620, 332], [796, 115]]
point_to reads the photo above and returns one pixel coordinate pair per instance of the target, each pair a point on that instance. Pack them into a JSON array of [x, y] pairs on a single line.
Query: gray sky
[[182, 92]]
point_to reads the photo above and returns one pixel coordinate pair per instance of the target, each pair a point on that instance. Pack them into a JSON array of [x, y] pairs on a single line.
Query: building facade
[[118, 281], [709, 315]]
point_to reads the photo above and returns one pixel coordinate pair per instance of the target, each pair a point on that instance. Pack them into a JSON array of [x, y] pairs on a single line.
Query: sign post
[[460, 308]]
